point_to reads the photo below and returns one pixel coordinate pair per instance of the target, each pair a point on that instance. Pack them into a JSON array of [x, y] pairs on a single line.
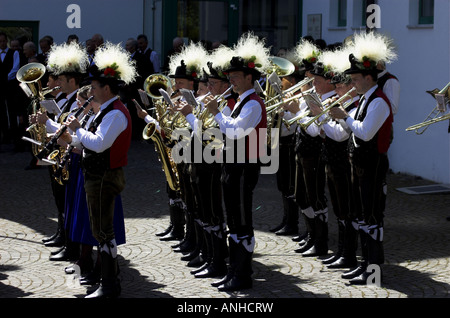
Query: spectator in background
[[151, 54]]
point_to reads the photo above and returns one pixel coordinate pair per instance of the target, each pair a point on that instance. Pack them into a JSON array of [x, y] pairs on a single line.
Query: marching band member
[[207, 174], [105, 146], [337, 165], [306, 53], [285, 175], [369, 142], [239, 179], [69, 63], [186, 68]]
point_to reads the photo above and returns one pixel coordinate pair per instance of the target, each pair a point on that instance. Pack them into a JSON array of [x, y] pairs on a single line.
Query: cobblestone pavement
[[417, 244]]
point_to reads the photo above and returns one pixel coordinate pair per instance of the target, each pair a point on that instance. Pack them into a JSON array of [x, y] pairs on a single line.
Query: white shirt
[[392, 91], [154, 58], [249, 117], [53, 126], [338, 130], [112, 125], [375, 117]]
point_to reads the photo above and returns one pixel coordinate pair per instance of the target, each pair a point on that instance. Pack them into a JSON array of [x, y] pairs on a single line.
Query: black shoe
[[331, 259], [300, 238], [197, 261], [104, 291], [211, 272], [50, 238], [65, 255], [201, 268], [316, 250], [222, 281], [343, 262], [165, 232], [236, 283], [354, 272], [59, 250], [58, 241]]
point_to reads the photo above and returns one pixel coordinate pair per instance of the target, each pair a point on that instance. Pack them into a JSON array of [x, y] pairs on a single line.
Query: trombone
[[327, 109], [433, 117]]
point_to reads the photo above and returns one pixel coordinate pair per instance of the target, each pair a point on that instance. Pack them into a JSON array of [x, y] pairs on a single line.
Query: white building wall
[[116, 20], [423, 64]]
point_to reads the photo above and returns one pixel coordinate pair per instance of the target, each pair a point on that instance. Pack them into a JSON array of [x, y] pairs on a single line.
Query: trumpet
[[327, 108], [292, 89], [436, 115], [275, 106]]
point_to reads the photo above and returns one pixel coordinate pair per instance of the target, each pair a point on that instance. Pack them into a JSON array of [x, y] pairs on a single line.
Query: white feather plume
[[111, 54], [194, 55], [306, 50], [250, 45], [374, 46], [221, 57], [67, 58]]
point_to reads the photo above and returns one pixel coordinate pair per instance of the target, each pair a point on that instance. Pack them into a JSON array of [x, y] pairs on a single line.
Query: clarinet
[[60, 166], [52, 143]]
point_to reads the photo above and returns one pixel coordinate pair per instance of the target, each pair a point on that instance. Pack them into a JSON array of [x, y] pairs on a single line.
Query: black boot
[[187, 244], [166, 231], [59, 239], [361, 268], [109, 284], [232, 246], [217, 266], [291, 226], [348, 257], [375, 256], [320, 246], [70, 252], [94, 276], [205, 251], [310, 236], [340, 247], [198, 245], [178, 221], [241, 278]]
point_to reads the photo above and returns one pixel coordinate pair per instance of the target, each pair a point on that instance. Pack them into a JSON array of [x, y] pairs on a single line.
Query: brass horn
[[154, 83], [29, 76], [281, 66]]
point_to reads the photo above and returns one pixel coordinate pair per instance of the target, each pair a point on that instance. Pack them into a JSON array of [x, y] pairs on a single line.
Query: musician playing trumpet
[[369, 142]]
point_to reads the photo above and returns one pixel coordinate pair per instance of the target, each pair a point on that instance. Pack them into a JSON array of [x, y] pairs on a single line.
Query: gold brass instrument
[[279, 67], [29, 77], [292, 89], [154, 83], [168, 165], [327, 107], [438, 112], [208, 120]]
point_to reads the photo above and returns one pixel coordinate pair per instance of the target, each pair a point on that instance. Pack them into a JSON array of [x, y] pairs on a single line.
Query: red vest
[[119, 149]]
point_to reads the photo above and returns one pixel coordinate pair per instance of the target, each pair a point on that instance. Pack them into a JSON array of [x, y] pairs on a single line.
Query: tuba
[[280, 67], [29, 77], [154, 83]]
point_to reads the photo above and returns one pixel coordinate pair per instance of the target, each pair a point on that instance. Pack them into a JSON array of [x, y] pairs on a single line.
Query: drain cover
[[428, 189]]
